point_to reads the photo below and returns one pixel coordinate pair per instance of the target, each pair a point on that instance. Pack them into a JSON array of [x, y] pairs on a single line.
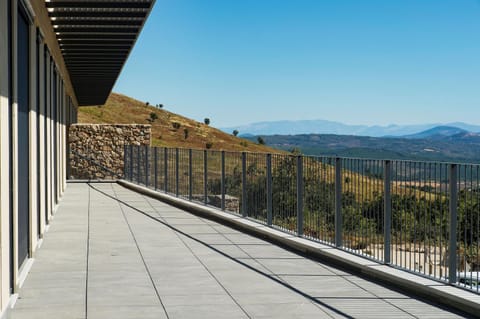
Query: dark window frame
[[23, 168]]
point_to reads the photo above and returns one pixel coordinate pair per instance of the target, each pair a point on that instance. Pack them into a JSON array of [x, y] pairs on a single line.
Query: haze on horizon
[[369, 62]]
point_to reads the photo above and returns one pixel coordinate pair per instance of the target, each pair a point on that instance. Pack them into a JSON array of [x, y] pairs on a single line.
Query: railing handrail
[[333, 156]]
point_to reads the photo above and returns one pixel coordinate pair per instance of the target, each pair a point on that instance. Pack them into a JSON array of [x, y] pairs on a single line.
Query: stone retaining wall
[[104, 144]]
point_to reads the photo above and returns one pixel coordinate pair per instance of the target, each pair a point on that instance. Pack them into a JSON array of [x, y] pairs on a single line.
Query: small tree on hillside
[[153, 117], [206, 121], [185, 133], [235, 132], [260, 140], [295, 151]]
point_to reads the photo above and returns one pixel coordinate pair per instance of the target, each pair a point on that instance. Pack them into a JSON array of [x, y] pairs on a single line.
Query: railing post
[[269, 190], [452, 245], [299, 195], [205, 177], [338, 202], [387, 218], [222, 182], [155, 167], [131, 162], [165, 169], [190, 175], [146, 165], [244, 184], [176, 172]]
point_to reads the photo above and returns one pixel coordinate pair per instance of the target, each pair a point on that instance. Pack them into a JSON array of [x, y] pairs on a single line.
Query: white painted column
[[14, 150], [4, 161]]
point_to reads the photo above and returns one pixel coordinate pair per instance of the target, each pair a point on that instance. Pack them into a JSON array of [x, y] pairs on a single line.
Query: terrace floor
[[113, 253]]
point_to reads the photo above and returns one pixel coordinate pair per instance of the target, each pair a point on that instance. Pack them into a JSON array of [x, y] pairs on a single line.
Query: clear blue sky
[[353, 61]]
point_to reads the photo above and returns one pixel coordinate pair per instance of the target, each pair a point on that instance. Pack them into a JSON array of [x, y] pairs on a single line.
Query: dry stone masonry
[[103, 144]]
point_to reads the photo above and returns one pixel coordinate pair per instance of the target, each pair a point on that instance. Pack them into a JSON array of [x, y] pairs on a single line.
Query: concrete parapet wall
[[104, 145]]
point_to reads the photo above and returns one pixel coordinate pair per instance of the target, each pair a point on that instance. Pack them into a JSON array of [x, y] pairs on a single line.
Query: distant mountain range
[[440, 143], [330, 127], [440, 133]]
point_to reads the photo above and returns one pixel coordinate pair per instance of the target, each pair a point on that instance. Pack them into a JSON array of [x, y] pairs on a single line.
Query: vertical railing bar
[[300, 195], [165, 169], [452, 247], [387, 219], [338, 202], [190, 175], [176, 172], [138, 164], [155, 167], [435, 226], [465, 240], [222, 182], [269, 190], [478, 221], [205, 177], [146, 165], [244, 184], [125, 163], [131, 162]]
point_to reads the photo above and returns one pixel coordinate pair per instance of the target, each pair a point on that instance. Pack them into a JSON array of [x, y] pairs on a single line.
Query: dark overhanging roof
[[96, 37]]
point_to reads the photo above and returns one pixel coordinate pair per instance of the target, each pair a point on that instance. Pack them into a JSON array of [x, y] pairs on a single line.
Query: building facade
[[55, 55]]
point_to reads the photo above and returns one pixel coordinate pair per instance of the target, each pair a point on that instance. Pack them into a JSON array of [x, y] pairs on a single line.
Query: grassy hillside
[[169, 129]]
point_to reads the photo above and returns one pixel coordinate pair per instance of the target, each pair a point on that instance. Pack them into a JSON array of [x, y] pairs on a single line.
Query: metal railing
[[423, 217]]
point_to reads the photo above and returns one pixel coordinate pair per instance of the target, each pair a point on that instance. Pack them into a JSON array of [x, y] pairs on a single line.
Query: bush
[[295, 151], [206, 121], [153, 116], [260, 140], [235, 132], [176, 125], [208, 145], [185, 133]]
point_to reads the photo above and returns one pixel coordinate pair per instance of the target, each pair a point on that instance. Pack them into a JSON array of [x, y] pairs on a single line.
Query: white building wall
[[41, 194]]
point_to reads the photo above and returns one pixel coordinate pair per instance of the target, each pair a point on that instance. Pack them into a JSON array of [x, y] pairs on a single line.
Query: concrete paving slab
[[126, 312], [206, 312], [48, 312]]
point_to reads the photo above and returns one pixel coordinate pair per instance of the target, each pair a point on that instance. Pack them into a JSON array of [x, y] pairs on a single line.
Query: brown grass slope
[[169, 129]]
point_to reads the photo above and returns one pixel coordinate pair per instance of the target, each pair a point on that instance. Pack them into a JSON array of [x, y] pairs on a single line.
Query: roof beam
[[97, 36], [97, 22], [96, 29], [98, 4], [95, 46], [92, 42], [97, 14]]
